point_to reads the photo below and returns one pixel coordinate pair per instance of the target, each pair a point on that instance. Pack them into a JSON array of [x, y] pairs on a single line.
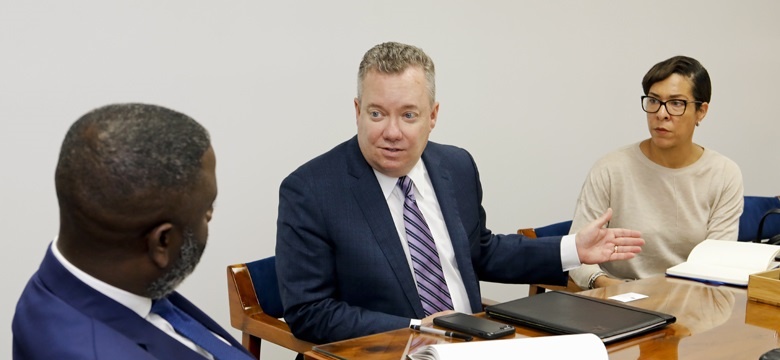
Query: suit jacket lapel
[[446, 195], [372, 203], [111, 313]]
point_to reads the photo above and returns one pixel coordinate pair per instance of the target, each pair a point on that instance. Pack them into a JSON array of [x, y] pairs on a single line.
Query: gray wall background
[[536, 90]]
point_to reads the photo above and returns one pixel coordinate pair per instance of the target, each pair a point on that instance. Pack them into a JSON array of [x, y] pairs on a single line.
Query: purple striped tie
[[431, 285]]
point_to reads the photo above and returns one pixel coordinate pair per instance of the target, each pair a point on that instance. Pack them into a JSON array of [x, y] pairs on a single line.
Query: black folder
[[566, 313]]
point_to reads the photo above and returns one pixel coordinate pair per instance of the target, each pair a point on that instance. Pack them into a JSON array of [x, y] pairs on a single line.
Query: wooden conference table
[[713, 322]]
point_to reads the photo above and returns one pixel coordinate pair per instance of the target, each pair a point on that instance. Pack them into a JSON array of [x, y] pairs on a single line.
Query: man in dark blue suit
[[347, 251], [136, 186]]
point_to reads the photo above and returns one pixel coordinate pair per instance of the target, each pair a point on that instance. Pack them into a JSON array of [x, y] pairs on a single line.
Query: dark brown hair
[[685, 66]]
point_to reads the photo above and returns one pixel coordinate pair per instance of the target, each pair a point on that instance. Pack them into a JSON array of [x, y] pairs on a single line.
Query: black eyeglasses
[[674, 107]]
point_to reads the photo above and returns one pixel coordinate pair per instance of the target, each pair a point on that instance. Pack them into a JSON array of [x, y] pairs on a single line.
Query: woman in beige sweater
[[676, 192]]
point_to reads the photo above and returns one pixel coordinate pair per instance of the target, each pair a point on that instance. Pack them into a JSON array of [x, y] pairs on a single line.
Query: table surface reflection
[[713, 322]]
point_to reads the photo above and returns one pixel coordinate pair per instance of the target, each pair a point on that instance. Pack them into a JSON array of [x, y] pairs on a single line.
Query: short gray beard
[[189, 256]]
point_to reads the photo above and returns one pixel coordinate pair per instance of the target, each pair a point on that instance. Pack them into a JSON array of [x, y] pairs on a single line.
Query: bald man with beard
[[136, 186]]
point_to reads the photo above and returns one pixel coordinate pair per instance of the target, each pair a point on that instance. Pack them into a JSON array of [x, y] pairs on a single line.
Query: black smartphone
[[472, 325]]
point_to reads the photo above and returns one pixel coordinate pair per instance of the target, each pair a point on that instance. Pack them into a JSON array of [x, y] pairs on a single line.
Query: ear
[[702, 112], [434, 114], [357, 110], [160, 243]]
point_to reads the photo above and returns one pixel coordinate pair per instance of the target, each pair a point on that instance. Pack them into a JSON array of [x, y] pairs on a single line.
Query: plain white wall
[[536, 90]]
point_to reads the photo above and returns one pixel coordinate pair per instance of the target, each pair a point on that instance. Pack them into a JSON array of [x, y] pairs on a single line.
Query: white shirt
[[138, 304], [429, 206]]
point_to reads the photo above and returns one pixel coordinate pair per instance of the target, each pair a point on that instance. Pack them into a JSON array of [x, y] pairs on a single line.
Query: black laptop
[[567, 313]]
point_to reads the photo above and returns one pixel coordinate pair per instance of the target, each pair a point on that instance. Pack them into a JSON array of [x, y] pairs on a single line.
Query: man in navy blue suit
[[136, 185], [343, 255]]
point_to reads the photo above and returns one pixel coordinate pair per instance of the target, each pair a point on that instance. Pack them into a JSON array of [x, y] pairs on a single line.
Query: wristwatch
[[592, 279]]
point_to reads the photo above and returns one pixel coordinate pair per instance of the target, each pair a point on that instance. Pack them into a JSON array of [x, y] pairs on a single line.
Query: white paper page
[[729, 275], [580, 346], [753, 257]]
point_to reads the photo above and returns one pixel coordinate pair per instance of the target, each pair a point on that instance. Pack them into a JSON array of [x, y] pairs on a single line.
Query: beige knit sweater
[[675, 209]]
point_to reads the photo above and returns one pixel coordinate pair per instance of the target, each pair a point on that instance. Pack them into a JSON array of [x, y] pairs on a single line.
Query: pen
[[450, 334]]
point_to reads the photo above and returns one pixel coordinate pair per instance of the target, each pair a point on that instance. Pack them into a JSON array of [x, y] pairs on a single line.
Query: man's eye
[[410, 115], [374, 114]]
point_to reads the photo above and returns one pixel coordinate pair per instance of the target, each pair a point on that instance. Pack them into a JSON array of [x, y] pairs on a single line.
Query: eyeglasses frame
[[663, 103]]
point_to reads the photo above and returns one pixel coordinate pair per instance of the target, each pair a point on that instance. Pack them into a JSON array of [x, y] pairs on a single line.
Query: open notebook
[[726, 262], [566, 313]]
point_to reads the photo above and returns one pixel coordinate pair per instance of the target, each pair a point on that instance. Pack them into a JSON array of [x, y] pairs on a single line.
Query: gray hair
[[395, 58], [118, 154]]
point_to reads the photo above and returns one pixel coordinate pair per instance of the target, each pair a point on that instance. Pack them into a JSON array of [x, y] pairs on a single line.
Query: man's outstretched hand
[[597, 244]]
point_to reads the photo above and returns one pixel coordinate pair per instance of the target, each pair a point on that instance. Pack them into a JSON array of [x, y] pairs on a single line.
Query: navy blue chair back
[[558, 229], [263, 273], [755, 208]]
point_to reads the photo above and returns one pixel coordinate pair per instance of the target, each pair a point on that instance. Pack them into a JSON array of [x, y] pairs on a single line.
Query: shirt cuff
[[570, 259], [415, 322]]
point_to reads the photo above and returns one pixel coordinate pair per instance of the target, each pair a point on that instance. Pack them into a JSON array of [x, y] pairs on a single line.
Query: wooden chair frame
[[247, 315]]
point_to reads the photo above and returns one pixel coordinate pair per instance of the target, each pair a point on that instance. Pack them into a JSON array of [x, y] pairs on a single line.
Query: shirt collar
[[418, 174], [138, 304]]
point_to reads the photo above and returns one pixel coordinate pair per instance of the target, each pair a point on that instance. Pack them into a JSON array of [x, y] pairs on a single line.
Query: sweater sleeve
[[723, 224]]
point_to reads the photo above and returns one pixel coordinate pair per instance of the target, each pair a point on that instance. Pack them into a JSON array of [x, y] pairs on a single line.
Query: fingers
[[635, 241], [627, 237], [624, 252], [629, 242], [625, 233], [623, 249], [621, 256]]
